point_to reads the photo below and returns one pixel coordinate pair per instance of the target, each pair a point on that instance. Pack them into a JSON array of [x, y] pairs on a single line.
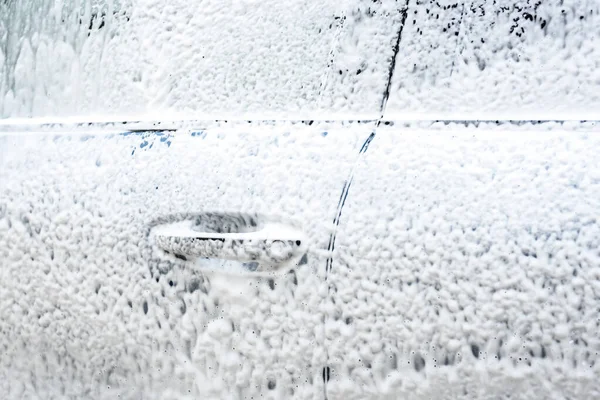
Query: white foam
[[90, 309], [304, 59], [465, 266], [498, 60]]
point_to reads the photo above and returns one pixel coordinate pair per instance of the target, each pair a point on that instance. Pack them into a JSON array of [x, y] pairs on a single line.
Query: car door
[[466, 265], [92, 307]]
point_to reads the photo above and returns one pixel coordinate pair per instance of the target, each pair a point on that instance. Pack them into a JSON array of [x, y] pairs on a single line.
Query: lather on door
[[466, 266], [91, 307]]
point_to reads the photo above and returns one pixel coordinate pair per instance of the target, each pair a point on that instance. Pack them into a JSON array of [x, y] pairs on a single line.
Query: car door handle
[[260, 243]]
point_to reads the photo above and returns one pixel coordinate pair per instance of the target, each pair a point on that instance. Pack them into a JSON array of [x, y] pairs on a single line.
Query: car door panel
[[466, 266], [92, 308]]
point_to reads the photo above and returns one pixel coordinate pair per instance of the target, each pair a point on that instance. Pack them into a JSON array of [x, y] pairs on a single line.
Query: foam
[[202, 58], [90, 309], [466, 266], [302, 59], [498, 60]]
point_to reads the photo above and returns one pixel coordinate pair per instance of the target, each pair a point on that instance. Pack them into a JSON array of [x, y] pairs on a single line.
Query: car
[[407, 211]]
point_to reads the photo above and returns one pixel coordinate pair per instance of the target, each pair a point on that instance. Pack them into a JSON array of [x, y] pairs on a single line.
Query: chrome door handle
[[257, 242]]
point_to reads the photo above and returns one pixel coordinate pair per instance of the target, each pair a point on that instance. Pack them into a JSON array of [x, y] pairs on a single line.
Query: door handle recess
[[259, 243]]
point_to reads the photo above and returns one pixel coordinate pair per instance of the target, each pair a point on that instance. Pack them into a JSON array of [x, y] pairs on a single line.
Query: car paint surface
[[440, 157], [459, 262]]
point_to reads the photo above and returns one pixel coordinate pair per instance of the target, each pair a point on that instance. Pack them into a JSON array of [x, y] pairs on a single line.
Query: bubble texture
[[502, 59], [212, 57], [90, 308], [466, 266], [506, 59]]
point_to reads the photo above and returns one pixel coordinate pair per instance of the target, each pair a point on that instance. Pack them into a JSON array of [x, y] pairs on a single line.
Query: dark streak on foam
[[396, 49], [342, 201]]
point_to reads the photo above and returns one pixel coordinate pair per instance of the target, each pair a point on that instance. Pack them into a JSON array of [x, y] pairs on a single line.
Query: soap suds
[[89, 309], [466, 266], [135, 58], [506, 59]]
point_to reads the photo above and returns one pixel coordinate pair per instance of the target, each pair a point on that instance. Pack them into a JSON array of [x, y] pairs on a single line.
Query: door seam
[[348, 181]]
